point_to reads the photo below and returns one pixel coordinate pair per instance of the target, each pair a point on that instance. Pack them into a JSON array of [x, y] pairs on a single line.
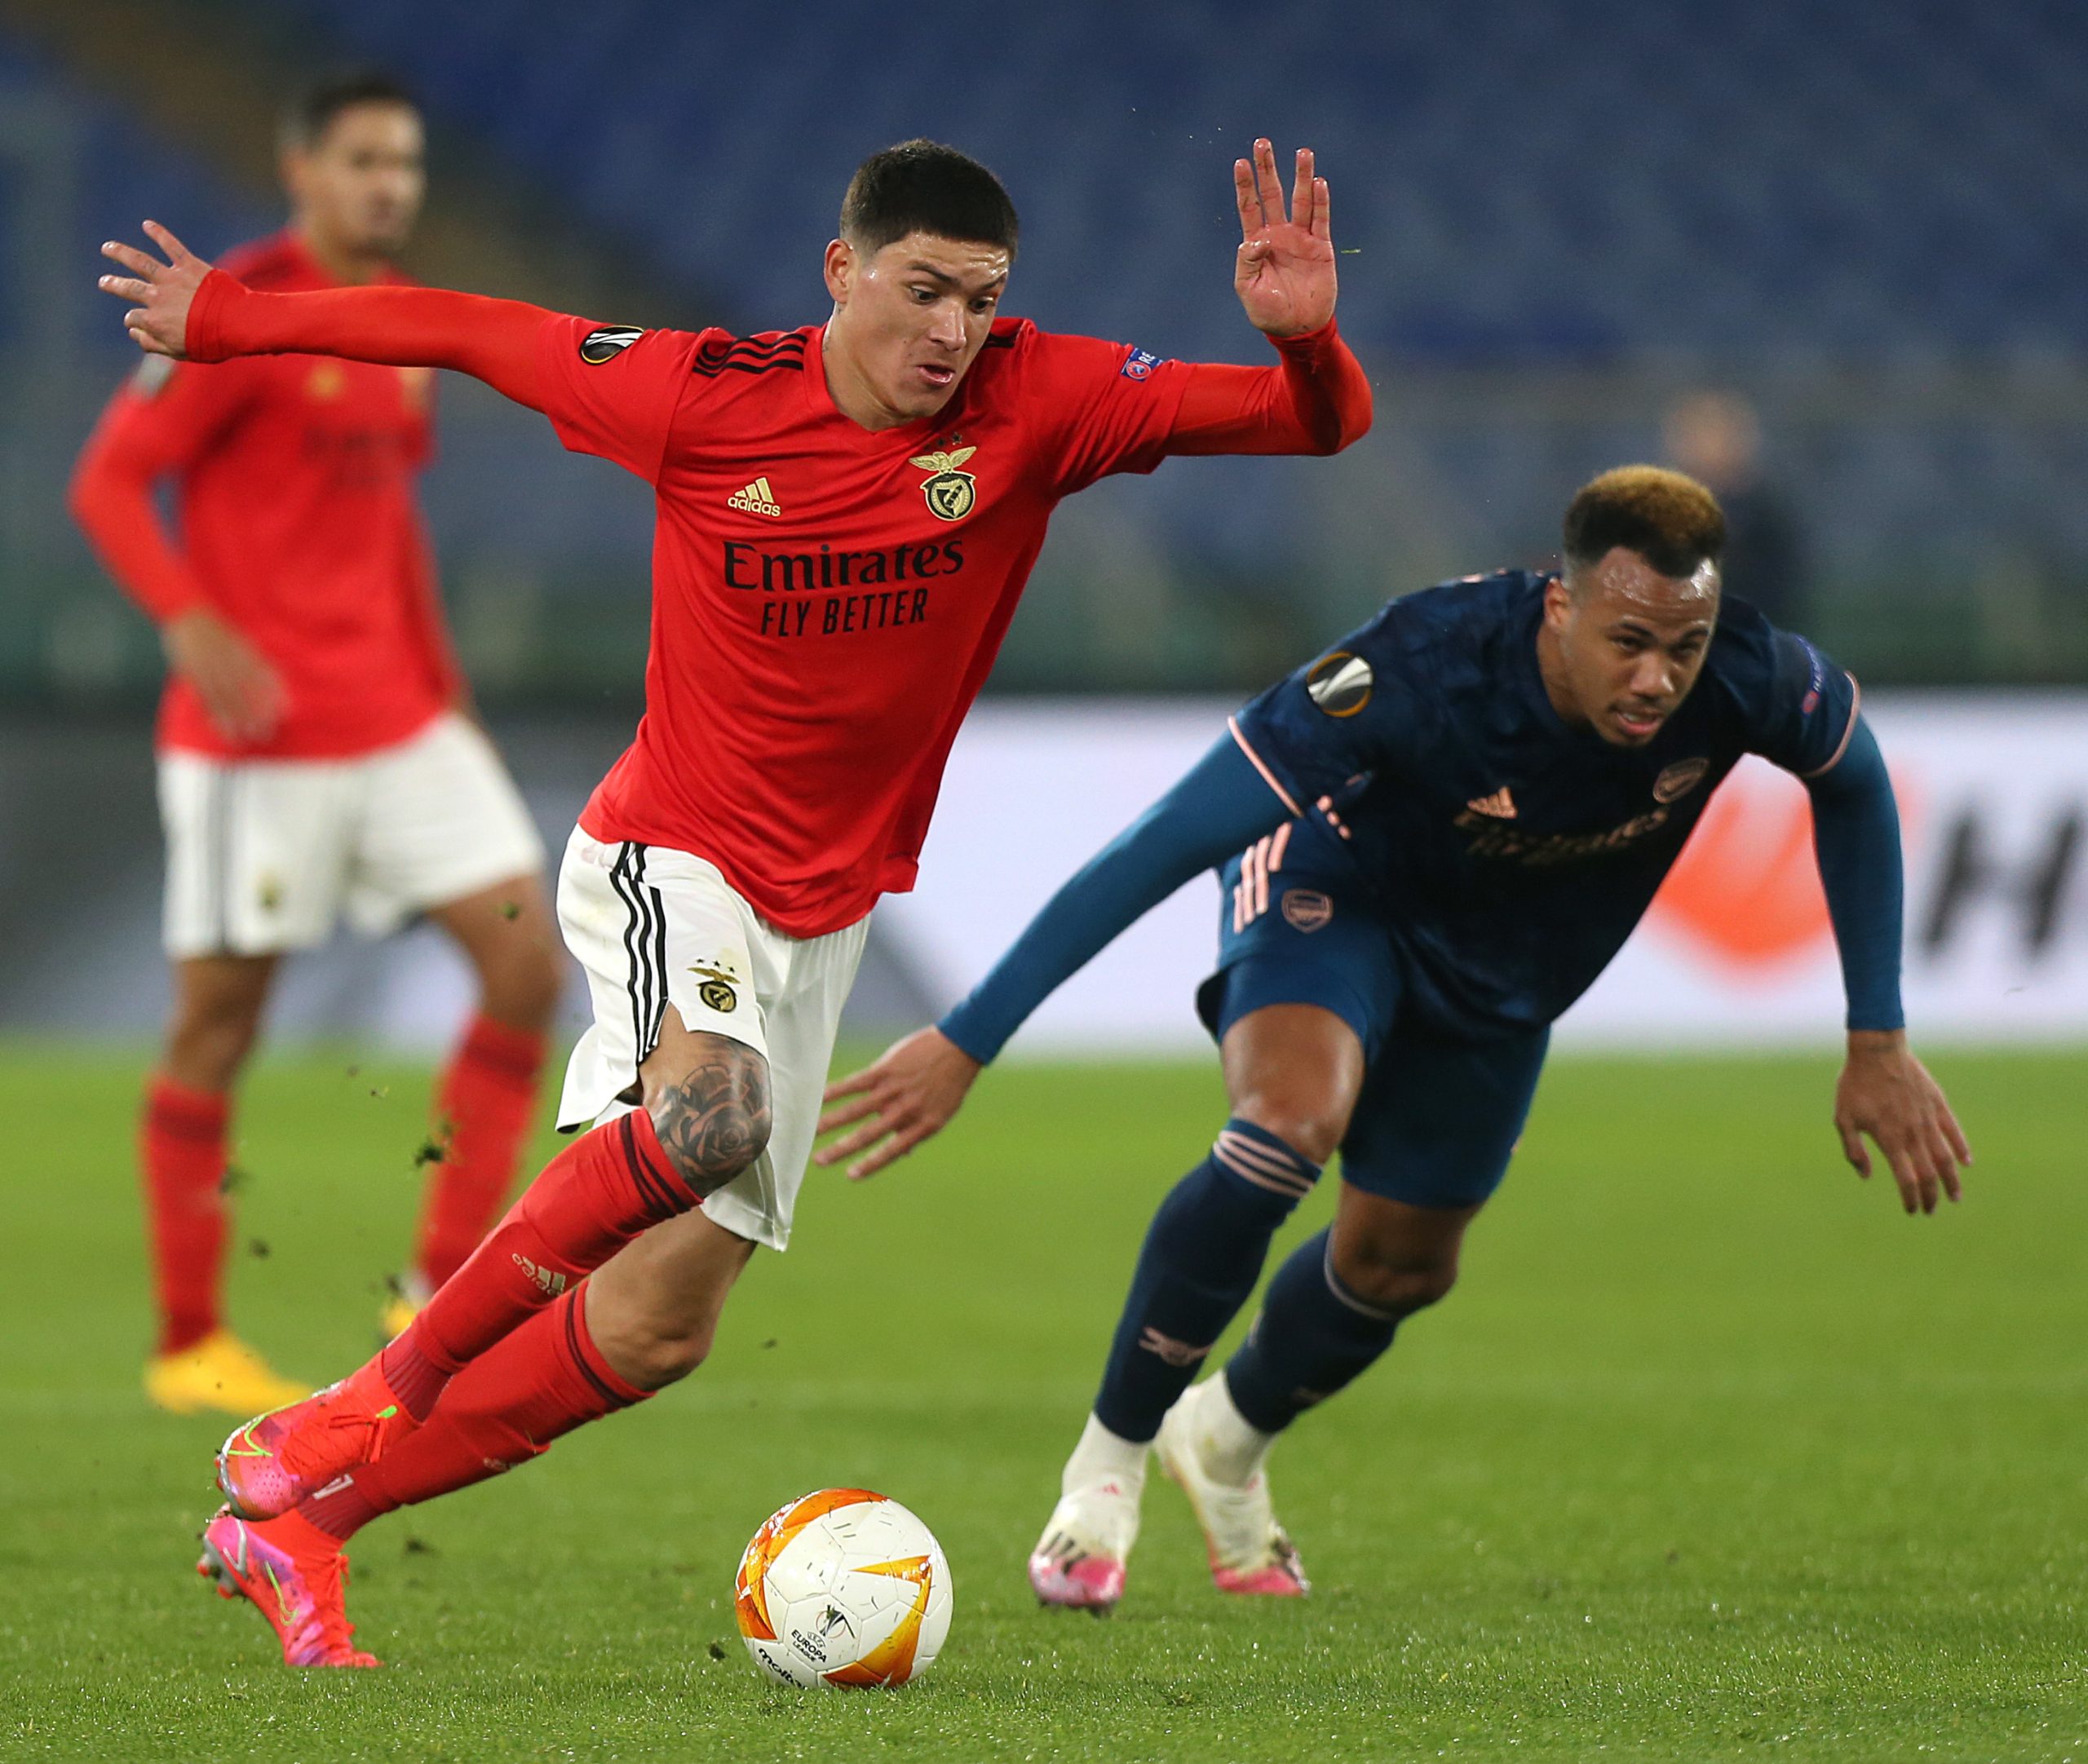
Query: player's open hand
[[1886, 1093], [245, 696], [1285, 272], [908, 1095], [158, 319]]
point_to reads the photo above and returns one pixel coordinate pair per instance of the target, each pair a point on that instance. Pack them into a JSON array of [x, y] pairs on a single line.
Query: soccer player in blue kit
[[1434, 838]]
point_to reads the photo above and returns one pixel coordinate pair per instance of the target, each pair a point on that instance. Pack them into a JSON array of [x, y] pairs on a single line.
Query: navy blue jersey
[[1509, 853]]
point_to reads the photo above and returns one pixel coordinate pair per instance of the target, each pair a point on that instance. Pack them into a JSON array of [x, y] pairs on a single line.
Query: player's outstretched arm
[[1221, 806], [183, 307], [1884, 1093], [1318, 401]]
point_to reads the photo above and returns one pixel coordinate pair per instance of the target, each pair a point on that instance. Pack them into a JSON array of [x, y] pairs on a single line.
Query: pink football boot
[[294, 1576], [267, 1466]]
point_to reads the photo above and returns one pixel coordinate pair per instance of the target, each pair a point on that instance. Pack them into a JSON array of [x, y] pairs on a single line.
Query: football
[[845, 1588]]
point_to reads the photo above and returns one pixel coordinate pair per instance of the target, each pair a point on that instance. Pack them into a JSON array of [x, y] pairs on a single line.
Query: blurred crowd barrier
[[1944, 534], [1737, 951]]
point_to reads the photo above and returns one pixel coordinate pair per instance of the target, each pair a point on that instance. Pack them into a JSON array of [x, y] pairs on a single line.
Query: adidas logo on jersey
[[1501, 806], [757, 498]]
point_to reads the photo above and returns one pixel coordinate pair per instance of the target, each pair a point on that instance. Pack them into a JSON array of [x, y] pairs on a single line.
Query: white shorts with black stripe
[[264, 855], [655, 927]]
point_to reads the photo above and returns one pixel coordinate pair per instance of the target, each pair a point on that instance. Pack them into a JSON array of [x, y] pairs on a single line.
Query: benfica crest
[[950, 492]]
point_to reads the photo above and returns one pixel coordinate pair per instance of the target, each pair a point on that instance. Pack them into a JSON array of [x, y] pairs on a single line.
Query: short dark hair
[[311, 110], [1669, 519], [923, 186]]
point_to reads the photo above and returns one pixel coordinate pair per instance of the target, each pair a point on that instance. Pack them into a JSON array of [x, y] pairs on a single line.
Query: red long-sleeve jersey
[[827, 599], [296, 521]]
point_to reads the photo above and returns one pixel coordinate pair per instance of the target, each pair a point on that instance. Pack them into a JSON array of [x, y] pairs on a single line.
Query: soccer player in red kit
[[312, 755], [847, 514]]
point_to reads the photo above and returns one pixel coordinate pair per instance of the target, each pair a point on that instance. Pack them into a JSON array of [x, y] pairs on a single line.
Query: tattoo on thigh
[[714, 1121]]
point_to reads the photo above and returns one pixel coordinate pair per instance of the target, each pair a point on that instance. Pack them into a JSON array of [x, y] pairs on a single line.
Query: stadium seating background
[[1540, 183], [1869, 216]]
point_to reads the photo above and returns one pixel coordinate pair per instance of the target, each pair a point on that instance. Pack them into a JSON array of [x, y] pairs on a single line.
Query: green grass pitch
[[1713, 1455]]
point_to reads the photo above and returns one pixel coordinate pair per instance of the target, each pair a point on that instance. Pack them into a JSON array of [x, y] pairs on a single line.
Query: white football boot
[[1078, 1563], [1208, 1446]]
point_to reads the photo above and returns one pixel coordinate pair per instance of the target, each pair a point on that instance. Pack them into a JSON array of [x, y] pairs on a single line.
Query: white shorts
[[264, 855], [655, 927]]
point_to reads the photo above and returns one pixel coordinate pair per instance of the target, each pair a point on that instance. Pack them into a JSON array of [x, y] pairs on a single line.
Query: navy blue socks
[[1202, 1259], [1313, 1336]]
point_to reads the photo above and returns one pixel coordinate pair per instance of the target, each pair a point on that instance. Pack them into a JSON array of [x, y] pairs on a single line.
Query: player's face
[[358, 187], [1627, 644], [908, 321]]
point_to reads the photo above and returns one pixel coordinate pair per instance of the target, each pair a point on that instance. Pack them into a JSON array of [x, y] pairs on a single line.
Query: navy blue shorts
[[1439, 1115]]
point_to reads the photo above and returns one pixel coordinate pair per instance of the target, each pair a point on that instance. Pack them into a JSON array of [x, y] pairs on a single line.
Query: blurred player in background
[[1715, 437], [316, 749], [1438, 834], [847, 515]]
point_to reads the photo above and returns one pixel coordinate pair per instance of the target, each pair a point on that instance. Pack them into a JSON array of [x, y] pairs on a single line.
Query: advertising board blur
[[1737, 950]]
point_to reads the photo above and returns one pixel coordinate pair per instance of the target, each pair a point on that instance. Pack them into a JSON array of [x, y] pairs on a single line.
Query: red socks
[[593, 1198], [181, 1150], [488, 1095], [542, 1380]]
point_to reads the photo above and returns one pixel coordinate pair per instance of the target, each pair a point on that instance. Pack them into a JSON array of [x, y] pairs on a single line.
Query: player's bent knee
[[1294, 1071], [1398, 1287], [652, 1361], [1313, 1130], [712, 1121]]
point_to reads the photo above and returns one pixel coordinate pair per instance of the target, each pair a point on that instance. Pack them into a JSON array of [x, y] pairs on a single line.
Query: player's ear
[[840, 266], [1557, 602]]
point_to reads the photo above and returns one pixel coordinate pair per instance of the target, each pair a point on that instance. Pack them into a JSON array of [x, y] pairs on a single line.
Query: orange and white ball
[[846, 1587]]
